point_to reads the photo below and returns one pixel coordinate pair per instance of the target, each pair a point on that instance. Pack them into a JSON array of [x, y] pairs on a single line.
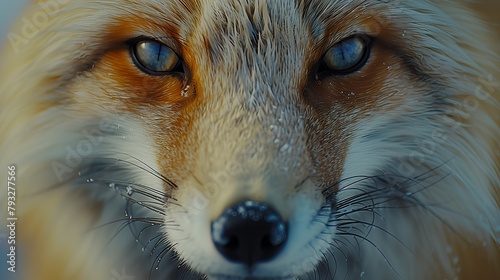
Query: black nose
[[249, 232]]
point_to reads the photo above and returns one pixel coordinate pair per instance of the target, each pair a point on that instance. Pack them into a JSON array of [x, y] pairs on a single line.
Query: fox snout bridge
[[249, 232]]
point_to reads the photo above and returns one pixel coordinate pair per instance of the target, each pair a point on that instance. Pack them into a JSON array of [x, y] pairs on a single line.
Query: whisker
[[156, 172], [159, 257], [371, 226], [151, 240], [149, 169], [372, 195], [374, 246]]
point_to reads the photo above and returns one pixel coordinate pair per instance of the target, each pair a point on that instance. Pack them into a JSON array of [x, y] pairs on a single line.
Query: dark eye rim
[[321, 70], [179, 68]]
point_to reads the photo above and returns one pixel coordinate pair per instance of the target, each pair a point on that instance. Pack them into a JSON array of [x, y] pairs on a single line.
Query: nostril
[[233, 243], [249, 232], [266, 243]]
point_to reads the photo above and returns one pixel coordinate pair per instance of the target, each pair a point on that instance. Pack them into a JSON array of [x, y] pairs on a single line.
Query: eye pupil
[[154, 57], [346, 56]]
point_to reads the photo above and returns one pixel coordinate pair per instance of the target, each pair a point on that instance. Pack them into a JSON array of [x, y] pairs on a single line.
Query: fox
[[251, 139]]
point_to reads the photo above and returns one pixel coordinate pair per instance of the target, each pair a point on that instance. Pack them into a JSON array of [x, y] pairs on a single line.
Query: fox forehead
[[249, 34], [244, 46]]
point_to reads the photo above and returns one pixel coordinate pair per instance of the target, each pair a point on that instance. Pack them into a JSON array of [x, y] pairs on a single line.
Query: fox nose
[[249, 232]]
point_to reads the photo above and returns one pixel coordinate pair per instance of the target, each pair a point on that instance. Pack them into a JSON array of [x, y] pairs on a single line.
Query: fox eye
[[345, 57], [155, 58]]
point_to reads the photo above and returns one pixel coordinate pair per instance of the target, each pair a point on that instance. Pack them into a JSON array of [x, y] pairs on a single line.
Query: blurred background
[[9, 10]]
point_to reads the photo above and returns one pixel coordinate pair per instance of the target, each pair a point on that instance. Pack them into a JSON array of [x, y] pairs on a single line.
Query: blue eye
[[155, 58], [347, 56]]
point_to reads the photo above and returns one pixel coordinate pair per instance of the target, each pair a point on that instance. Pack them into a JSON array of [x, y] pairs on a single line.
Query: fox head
[[264, 139]]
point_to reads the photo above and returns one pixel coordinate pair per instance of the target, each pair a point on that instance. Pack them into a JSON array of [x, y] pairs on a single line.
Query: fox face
[[256, 139]]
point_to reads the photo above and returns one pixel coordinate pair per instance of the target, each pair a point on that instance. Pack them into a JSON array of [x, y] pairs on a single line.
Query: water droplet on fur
[[185, 92], [351, 94], [285, 148], [130, 190], [362, 274], [143, 249], [90, 180], [112, 185]]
